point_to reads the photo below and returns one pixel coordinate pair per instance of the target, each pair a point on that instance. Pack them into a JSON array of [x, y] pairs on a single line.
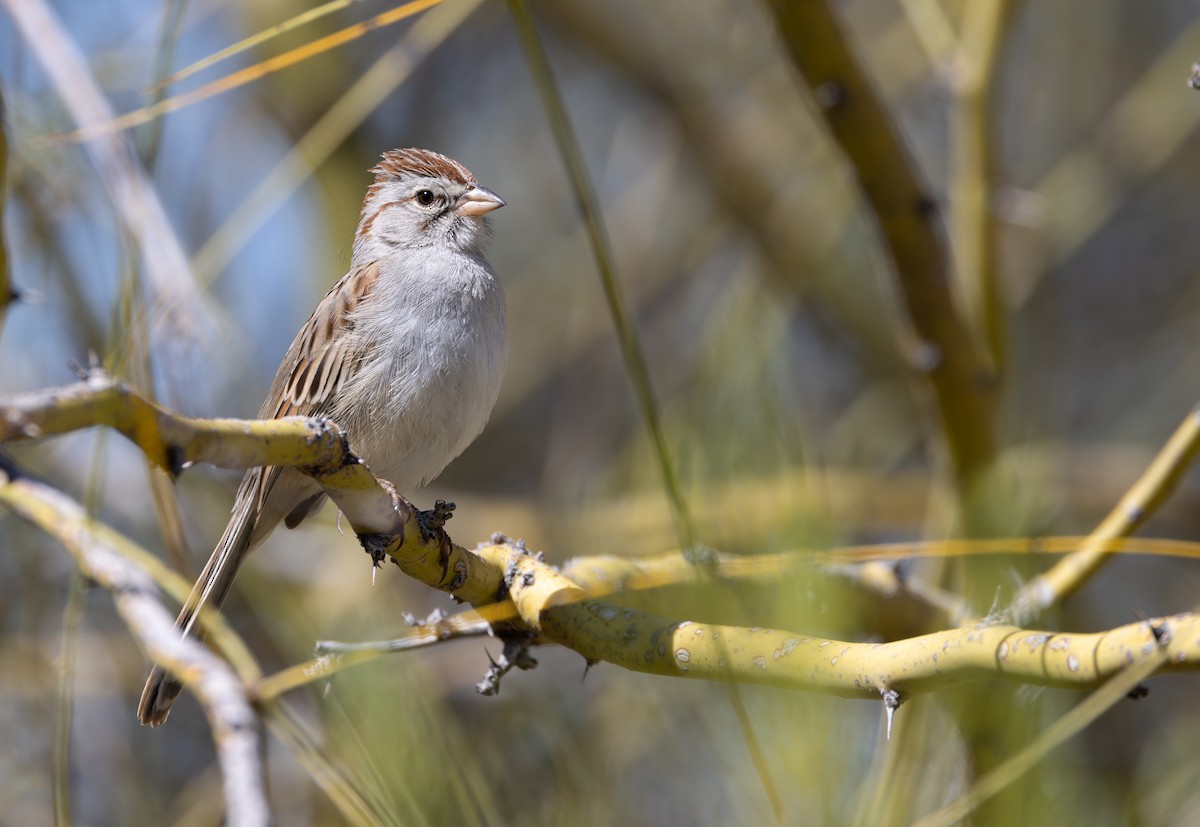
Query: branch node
[[830, 96], [376, 545], [926, 206], [702, 557], [433, 522], [515, 654]]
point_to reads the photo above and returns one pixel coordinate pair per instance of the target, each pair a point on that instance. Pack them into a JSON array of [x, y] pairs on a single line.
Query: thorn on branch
[[891, 702], [81, 373], [376, 546], [1162, 634], [588, 663], [175, 461]]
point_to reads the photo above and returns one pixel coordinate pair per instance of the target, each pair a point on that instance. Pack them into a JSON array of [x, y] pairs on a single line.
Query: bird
[[406, 352]]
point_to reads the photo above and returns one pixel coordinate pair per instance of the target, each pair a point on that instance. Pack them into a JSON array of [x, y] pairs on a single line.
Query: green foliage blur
[[779, 356]]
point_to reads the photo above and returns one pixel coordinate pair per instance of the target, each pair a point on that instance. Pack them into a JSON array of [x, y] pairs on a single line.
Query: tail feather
[[211, 589]]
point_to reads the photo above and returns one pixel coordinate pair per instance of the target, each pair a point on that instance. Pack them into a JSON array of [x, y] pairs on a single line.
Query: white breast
[[437, 344]]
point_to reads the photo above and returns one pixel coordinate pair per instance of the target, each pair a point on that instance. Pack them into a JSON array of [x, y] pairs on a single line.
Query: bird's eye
[[425, 197]]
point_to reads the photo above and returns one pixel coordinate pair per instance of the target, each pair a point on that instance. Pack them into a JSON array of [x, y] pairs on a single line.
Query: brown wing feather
[[317, 364]]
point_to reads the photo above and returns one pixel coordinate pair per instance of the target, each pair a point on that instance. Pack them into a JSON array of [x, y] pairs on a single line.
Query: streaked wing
[[323, 355]]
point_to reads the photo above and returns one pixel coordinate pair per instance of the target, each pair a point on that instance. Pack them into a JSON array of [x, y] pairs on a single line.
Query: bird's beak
[[478, 201]]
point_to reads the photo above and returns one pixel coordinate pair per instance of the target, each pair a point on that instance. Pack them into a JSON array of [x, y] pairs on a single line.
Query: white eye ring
[[425, 197]]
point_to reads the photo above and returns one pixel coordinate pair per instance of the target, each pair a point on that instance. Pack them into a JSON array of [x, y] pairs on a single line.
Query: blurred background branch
[[944, 349], [771, 315], [97, 553]]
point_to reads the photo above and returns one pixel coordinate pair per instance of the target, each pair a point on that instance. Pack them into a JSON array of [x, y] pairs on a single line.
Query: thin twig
[[257, 39], [333, 656], [99, 128], [1151, 490], [347, 113], [589, 207], [60, 745]]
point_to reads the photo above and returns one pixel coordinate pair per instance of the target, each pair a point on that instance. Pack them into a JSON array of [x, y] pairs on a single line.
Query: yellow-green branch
[[526, 599], [1144, 498]]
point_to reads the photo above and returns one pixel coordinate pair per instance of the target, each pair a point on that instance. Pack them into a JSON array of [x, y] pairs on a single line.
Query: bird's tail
[[210, 590]]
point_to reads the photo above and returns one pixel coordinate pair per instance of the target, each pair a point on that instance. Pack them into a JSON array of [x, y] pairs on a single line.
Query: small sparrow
[[406, 353]]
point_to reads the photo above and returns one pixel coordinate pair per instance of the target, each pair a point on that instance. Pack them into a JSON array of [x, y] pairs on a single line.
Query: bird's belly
[[430, 404]]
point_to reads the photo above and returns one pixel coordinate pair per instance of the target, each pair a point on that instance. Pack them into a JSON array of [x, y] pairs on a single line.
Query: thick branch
[[528, 600], [168, 438], [557, 609]]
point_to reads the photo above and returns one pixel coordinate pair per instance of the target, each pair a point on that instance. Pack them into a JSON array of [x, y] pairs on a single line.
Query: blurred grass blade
[[589, 207], [244, 76], [1066, 727], [252, 41], [134, 198], [7, 294], [933, 29], [631, 350], [168, 38], [344, 794], [60, 745], [1090, 182]]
